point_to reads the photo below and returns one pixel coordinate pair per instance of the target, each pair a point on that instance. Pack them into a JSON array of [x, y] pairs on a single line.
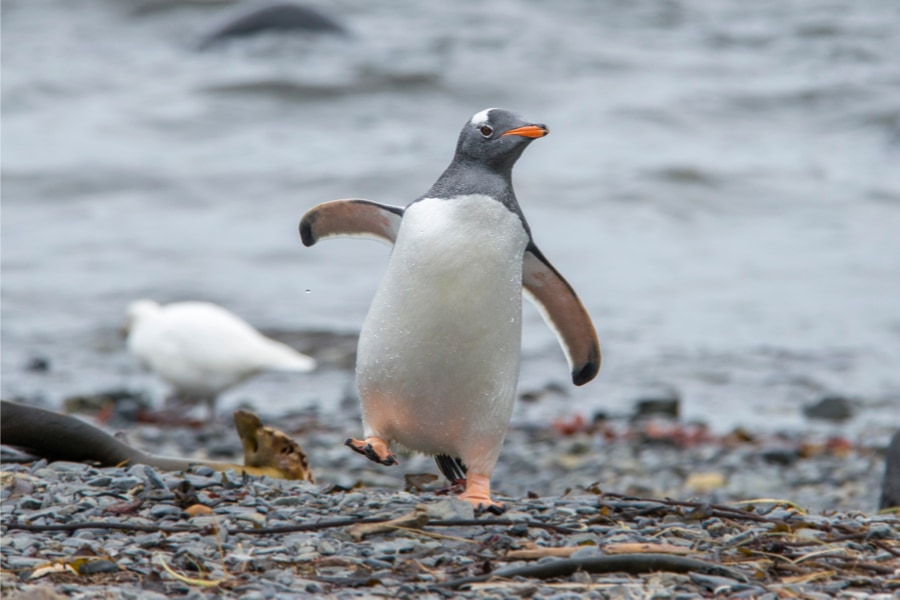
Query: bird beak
[[529, 131]]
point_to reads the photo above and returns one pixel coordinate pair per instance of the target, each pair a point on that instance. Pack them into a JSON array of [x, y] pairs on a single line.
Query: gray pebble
[[148, 540], [62, 466], [252, 517], [326, 548], [153, 477], [587, 551], [157, 495], [204, 471], [377, 565], [29, 503], [24, 563], [159, 511], [125, 483], [451, 509], [289, 501]]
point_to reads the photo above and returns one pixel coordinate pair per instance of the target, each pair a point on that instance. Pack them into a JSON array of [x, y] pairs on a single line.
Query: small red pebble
[[576, 424]]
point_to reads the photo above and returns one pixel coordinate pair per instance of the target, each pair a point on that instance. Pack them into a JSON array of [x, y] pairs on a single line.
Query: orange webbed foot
[[478, 493], [375, 449]]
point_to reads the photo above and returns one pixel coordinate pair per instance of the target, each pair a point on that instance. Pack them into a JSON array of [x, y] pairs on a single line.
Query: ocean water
[[721, 185]]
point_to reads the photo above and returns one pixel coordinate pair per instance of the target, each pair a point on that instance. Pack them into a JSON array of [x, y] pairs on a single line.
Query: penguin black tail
[[452, 468]]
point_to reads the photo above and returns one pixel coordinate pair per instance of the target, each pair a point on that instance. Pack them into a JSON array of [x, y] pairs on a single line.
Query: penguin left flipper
[[564, 312], [352, 217]]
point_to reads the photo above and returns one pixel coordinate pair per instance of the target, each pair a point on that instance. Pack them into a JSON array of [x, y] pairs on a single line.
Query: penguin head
[[497, 137]]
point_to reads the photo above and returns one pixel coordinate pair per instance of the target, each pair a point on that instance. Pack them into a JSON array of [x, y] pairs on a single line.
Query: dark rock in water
[[656, 407], [273, 16], [890, 488], [38, 364], [831, 408]]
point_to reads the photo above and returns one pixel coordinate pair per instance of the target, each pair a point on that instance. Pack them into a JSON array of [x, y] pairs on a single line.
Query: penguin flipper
[[351, 217], [565, 314]]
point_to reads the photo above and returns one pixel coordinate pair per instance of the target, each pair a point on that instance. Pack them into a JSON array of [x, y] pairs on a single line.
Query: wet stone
[[289, 501], [153, 477], [451, 509], [160, 511], [125, 483], [148, 540], [17, 563], [254, 518], [159, 495], [29, 503]]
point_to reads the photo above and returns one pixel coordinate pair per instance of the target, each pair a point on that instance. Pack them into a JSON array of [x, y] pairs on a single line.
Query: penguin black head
[[496, 137]]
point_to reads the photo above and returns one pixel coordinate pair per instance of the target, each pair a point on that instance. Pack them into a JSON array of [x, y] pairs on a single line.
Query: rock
[[780, 456], [40, 592], [37, 364], [890, 486], [272, 16], [450, 509], [326, 548], [160, 511], [830, 408], [667, 407]]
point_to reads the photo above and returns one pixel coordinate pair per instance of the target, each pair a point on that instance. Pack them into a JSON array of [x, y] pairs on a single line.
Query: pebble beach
[[618, 510]]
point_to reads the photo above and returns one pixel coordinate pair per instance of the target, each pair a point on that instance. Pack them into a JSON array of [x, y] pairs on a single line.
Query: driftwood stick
[[634, 564]]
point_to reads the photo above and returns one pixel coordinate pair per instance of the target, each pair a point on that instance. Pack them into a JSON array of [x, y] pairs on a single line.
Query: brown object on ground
[[55, 436], [414, 520], [268, 448]]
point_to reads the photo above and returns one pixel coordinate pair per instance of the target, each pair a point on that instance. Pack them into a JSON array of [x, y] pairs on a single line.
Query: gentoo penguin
[[201, 349], [439, 351]]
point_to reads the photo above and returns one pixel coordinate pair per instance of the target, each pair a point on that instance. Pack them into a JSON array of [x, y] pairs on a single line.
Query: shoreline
[[571, 495]]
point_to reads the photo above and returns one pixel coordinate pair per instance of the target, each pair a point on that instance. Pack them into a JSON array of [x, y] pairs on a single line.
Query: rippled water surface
[[721, 186]]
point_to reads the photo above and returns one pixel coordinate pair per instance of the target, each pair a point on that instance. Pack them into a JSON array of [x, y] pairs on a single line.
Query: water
[[720, 185]]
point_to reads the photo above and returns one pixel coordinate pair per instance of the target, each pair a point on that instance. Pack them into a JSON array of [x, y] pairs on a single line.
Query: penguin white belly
[[439, 351]]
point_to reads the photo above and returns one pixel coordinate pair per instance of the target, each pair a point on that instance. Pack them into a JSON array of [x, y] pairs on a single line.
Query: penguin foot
[[375, 449], [478, 493]]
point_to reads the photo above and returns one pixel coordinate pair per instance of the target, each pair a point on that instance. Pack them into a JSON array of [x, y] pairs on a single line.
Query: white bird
[[201, 349]]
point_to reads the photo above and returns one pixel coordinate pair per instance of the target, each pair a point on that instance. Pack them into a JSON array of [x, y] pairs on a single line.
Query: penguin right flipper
[[564, 312], [351, 217]]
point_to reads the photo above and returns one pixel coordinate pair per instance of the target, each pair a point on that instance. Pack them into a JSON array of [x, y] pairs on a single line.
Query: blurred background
[[721, 186]]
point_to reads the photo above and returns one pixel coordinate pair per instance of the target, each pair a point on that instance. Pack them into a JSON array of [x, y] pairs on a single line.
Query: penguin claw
[[370, 449], [495, 509], [478, 494]]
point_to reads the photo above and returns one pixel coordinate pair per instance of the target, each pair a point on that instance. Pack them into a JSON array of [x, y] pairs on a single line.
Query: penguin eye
[[486, 131]]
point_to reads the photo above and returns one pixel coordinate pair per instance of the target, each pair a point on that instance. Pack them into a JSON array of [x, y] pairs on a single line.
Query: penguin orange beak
[[529, 131]]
